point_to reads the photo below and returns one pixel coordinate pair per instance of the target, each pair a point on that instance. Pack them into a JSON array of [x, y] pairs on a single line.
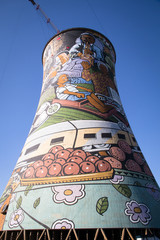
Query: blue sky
[[133, 28]]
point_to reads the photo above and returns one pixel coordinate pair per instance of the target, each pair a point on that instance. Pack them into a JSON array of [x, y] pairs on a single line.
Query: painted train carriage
[[81, 166]]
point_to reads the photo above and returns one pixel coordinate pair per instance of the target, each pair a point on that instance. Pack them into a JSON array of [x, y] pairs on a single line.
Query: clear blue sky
[[133, 27]]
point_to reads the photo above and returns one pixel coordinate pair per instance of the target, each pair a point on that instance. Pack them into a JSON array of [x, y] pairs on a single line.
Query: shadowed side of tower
[[81, 167]]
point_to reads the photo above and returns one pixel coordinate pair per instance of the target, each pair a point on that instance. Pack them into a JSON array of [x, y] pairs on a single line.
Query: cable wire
[[94, 13]]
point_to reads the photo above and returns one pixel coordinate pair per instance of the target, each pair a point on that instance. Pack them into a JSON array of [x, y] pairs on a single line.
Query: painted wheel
[[43, 108], [41, 119], [53, 108]]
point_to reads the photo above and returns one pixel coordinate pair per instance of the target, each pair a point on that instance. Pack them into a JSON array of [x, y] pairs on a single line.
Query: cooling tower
[[81, 173]]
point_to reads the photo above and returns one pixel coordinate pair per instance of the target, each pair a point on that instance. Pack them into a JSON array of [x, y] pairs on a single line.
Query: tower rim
[[78, 28]]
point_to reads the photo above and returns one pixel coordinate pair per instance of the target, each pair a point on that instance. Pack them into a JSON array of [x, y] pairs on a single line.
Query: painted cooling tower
[[81, 167]]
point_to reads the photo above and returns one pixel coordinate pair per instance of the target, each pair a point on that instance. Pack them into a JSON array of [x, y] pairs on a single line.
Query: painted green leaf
[[102, 205], [28, 188], [123, 189], [36, 202], [19, 202], [3, 198], [6, 194]]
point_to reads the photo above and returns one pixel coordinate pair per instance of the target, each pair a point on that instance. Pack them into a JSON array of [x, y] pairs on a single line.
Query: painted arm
[[79, 95], [85, 89]]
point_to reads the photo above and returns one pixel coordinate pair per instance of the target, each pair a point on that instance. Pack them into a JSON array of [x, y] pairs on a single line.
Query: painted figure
[[66, 90]]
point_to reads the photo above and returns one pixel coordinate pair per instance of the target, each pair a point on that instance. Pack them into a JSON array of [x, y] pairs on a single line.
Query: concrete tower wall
[[81, 166]]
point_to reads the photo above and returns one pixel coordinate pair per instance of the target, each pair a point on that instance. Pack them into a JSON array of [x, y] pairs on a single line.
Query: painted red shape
[[133, 166], [92, 159], [114, 162], [48, 162], [38, 164], [75, 159], [79, 153], [62, 154], [124, 146], [103, 166], [54, 169], [29, 173], [48, 156], [41, 172], [55, 149], [87, 167], [71, 168], [117, 153], [60, 161]]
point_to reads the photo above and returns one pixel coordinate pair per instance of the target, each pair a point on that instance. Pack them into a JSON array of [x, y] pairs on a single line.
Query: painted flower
[[16, 218], [137, 212], [63, 224], [69, 194], [153, 190], [117, 179]]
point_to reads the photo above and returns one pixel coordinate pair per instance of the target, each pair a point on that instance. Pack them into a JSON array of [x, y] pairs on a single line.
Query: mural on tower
[[81, 158]]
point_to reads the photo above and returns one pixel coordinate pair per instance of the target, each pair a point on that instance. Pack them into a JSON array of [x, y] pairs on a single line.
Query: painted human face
[[61, 80], [87, 39]]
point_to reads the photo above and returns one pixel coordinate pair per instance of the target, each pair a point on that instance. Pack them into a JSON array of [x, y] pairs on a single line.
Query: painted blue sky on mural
[[133, 29]]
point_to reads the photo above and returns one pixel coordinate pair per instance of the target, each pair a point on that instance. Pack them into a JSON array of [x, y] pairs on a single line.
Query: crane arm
[[43, 13], [32, 1]]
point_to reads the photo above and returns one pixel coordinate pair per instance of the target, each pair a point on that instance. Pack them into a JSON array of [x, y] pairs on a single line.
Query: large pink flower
[[117, 179], [16, 218], [69, 194], [63, 224], [137, 212]]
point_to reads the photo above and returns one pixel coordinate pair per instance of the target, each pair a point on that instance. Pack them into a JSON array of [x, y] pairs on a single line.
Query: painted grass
[[65, 114]]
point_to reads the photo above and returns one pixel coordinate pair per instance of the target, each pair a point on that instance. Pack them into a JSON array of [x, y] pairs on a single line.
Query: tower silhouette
[[81, 173]]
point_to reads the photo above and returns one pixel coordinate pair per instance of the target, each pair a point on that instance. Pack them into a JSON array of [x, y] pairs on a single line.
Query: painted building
[[81, 166]]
